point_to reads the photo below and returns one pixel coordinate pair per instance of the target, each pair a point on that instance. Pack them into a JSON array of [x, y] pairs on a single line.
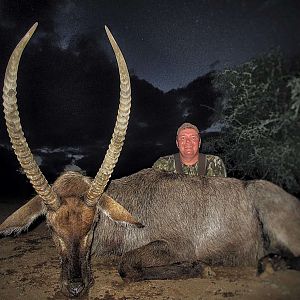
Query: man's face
[[188, 142]]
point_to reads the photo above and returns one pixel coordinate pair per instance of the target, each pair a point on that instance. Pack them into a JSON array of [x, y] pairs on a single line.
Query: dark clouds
[[168, 43], [178, 40]]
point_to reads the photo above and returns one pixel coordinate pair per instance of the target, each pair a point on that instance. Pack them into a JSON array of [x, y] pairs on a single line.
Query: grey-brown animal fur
[[217, 220]]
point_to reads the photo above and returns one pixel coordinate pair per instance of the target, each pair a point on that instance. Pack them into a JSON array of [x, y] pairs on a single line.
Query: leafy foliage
[[259, 108]]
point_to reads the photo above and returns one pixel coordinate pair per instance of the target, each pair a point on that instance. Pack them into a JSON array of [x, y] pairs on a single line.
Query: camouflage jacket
[[214, 166]]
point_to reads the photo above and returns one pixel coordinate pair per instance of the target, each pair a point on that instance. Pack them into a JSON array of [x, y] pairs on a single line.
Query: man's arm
[[165, 163], [215, 166]]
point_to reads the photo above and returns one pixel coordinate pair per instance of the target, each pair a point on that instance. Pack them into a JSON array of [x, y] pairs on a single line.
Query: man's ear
[[116, 211], [21, 219], [177, 143]]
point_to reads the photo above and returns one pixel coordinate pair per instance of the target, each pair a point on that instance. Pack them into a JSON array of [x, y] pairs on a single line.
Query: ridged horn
[[15, 131], [111, 157]]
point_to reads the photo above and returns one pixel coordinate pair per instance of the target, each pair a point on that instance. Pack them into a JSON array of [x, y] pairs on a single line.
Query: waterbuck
[[186, 222]]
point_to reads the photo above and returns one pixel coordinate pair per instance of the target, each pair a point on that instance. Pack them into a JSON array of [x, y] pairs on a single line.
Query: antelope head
[[70, 204]]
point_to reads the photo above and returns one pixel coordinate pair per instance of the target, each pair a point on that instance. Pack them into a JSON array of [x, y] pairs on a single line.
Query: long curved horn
[[15, 131], [111, 157]]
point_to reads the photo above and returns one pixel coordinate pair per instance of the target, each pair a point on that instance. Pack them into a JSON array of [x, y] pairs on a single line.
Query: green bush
[[259, 108]]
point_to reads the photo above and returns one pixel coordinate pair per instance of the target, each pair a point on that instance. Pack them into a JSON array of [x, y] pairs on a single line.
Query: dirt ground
[[29, 269]]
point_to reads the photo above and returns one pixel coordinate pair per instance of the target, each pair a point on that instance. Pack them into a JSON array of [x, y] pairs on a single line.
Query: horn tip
[[35, 25], [109, 34], [32, 29], [107, 30]]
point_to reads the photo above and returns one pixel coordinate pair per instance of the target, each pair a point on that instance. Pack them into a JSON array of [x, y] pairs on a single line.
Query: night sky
[[168, 43], [68, 82]]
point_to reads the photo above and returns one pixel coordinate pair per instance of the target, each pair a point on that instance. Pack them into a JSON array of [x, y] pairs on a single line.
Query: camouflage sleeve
[[215, 166], [166, 163]]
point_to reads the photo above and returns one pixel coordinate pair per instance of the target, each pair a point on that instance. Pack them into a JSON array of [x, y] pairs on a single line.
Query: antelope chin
[[77, 286]]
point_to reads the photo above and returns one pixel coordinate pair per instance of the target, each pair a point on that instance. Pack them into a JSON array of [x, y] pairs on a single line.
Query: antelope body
[[187, 222]]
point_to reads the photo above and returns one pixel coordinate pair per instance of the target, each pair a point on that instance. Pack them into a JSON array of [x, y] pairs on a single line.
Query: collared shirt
[[214, 166]]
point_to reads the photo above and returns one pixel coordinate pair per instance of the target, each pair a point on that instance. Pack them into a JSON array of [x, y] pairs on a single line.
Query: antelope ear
[[116, 211], [21, 219]]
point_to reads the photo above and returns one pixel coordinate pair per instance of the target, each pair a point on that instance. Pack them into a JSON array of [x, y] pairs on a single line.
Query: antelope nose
[[75, 288]]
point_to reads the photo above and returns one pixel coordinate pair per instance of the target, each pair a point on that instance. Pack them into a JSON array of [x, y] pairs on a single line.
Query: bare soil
[[29, 269]]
